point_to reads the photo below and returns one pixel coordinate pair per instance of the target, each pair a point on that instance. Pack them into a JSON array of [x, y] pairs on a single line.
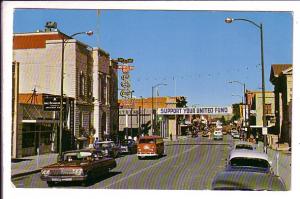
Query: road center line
[[146, 168]]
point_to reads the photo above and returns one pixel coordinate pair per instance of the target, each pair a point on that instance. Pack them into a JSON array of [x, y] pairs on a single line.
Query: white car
[[218, 135], [244, 145], [235, 135], [249, 160]]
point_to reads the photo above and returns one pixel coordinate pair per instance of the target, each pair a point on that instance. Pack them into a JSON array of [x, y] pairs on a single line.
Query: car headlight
[[45, 172], [77, 172]]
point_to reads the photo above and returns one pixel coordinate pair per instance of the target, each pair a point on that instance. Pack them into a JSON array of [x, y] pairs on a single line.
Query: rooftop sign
[[196, 110]]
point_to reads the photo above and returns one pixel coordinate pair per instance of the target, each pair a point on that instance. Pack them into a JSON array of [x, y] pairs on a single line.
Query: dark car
[[79, 165], [128, 146], [249, 180], [108, 148]]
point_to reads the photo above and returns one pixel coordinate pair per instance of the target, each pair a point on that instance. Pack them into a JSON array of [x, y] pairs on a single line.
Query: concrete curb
[[25, 173]]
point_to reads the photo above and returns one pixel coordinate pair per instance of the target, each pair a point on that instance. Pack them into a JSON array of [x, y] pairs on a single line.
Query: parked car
[[247, 180], [150, 146], [108, 148], [244, 145], [128, 146], [78, 165], [218, 135], [235, 134]]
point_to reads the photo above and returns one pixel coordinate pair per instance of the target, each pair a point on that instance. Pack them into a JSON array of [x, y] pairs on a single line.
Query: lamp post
[[244, 101], [132, 91], [64, 42], [240, 97], [142, 123], [152, 111], [260, 27]]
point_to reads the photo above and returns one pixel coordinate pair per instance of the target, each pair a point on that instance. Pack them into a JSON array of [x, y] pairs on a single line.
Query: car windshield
[[249, 162], [73, 156], [244, 146], [146, 141]]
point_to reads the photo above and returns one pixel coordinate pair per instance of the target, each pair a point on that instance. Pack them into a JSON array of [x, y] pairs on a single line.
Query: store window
[[82, 84], [268, 108], [28, 140]]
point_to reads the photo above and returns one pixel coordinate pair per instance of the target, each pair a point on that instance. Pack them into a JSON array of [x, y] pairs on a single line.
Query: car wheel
[[50, 184], [139, 157]]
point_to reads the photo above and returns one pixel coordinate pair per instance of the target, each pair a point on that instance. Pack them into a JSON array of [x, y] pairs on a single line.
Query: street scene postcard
[[120, 98]]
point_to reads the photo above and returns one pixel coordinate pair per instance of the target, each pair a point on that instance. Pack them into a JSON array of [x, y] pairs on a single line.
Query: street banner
[[196, 110]]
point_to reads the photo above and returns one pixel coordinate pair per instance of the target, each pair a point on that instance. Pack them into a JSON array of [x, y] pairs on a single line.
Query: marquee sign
[[196, 110]]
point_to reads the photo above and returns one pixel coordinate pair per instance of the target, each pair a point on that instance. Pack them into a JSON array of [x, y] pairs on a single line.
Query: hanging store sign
[[196, 110], [52, 103]]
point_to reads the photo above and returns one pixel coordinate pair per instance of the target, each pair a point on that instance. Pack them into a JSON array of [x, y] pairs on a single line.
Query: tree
[[181, 102], [236, 112]]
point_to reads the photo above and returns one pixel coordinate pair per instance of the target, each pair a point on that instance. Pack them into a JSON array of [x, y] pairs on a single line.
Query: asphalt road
[[188, 164]]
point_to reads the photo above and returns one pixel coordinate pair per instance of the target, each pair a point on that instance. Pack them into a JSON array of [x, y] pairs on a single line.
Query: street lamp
[[244, 94], [160, 84], [260, 27], [234, 95], [64, 42], [142, 112], [132, 91]]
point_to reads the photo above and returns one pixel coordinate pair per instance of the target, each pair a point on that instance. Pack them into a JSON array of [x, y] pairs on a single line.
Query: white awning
[[41, 121]]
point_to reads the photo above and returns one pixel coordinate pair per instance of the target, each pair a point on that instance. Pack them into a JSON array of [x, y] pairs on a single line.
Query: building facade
[[281, 77], [255, 107], [89, 78], [140, 119], [105, 87]]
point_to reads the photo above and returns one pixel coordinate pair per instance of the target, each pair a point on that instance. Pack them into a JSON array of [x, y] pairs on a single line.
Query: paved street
[[188, 164]]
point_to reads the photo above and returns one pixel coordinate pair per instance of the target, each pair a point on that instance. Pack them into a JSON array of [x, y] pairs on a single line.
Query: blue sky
[[196, 48]]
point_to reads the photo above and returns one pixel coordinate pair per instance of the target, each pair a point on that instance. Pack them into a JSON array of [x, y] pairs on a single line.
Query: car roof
[[247, 180], [248, 154]]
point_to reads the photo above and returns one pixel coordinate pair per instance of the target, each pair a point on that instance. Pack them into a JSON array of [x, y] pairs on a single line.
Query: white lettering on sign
[[196, 110]]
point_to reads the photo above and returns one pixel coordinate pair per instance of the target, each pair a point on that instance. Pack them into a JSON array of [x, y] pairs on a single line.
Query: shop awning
[[41, 121]]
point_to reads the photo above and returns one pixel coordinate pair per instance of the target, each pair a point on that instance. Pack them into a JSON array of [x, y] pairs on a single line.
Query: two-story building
[[281, 77], [105, 86], [89, 78], [255, 107]]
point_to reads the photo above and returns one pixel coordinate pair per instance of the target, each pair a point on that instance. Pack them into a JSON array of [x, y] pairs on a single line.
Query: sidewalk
[[174, 138], [31, 164], [281, 163]]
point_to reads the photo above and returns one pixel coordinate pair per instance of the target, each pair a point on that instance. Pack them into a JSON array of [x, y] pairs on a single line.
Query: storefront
[[38, 137]]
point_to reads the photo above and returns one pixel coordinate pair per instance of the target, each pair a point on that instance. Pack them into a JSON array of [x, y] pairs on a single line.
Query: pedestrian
[[171, 138], [95, 142]]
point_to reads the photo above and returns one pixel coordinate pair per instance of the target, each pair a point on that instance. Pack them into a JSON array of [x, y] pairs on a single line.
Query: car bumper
[[63, 178], [124, 150], [218, 138], [150, 154]]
